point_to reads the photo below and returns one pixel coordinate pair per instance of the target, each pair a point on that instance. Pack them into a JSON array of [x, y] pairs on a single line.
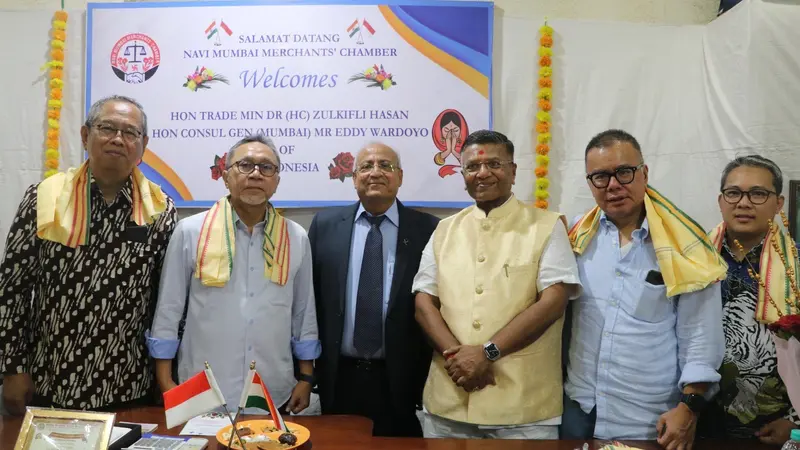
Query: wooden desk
[[353, 433]]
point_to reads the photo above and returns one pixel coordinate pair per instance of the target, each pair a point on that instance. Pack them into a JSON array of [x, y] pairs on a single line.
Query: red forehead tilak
[[480, 152]]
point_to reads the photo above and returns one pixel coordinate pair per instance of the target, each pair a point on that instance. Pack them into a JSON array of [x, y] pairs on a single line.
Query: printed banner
[[321, 79]]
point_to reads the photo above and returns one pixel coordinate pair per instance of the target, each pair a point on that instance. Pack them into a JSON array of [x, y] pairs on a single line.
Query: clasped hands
[[468, 367]]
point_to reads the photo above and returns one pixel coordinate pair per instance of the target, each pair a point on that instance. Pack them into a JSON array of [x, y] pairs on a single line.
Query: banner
[[321, 78]]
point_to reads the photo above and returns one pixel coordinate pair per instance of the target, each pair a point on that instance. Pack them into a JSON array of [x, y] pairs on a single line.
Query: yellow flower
[[543, 116], [545, 93], [369, 71], [541, 194], [191, 85], [52, 123], [50, 173], [546, 30], [387, 83], [51, 153], [545, 72], [209, 72], [55, 43], [542, 160], [544, 51], [543, 138], [542, 183]]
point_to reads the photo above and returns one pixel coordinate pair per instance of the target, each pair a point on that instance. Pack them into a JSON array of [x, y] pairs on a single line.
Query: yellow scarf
[[63, 205], [686, 258], [216, 246], [771, 271]]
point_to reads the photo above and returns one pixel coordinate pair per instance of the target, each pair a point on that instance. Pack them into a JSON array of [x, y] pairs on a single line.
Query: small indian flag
[[256, 395]]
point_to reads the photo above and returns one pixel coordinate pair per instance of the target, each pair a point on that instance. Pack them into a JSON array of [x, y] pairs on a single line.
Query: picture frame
[[794, 208], [64, 430]]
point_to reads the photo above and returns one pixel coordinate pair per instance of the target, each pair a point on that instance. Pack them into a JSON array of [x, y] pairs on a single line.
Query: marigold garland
[[543, 117], [55, 84]]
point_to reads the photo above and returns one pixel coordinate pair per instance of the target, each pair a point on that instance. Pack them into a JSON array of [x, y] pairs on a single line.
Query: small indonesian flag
[[256, 395], [368, 26], [225, 28], [198, 395]]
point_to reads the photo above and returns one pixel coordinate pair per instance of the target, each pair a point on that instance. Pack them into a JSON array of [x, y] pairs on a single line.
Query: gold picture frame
[[64, 430]]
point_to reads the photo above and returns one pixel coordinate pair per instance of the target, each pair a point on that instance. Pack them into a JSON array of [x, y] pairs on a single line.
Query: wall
[[510, 98]]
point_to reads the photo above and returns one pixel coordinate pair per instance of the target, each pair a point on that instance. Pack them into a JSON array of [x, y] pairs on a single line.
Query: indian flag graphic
[[256, 395]]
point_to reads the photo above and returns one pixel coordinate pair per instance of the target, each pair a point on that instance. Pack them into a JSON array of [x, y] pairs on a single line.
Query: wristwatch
[[307, 378], [695, 402], [491, 351]]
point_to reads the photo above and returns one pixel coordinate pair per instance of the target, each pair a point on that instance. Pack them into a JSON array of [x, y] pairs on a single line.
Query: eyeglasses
[[756, 196], [247, 167], [383, 166], [624, 175], [473, 168], [110, 132]]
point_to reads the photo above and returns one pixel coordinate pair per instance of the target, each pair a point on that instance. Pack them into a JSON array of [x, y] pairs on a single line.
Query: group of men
[[388, 310]]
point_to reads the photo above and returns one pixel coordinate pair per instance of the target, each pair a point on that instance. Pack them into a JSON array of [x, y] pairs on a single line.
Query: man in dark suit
[[374, 358]]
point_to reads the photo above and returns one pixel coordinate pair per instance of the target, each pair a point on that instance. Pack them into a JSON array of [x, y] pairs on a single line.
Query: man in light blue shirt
[[250, 313], [640, 363]]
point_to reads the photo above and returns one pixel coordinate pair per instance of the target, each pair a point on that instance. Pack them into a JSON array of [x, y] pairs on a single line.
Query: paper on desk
[[206, 425], [146, 427]]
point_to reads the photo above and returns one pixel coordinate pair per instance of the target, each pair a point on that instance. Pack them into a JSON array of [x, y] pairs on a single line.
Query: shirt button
[[251, 294], [486, 226], [481, 258], [252, 269], [476, 324], [249, 347], [479, 290], [251, 321], [606, 334], [613, 303], [618, 273]]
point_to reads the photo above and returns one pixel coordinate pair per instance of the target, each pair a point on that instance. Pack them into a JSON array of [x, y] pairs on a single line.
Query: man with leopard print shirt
[[752, 402]]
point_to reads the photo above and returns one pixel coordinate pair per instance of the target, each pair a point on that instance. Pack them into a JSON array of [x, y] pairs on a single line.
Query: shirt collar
[[503, 210], [237, 222], [642, 232], [392, 214], [126, 191]]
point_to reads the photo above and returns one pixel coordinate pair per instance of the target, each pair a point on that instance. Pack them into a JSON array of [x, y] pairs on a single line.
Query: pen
[[505, 268]]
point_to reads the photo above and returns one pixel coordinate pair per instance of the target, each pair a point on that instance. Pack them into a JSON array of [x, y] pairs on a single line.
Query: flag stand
[[228, 415], [239, 411]]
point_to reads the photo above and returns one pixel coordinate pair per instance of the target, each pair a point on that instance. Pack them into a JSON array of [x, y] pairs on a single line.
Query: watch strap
[[307, 378]]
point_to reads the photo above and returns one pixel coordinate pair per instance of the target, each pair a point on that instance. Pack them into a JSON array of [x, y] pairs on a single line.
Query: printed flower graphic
[[201, 78], [342, 166], [376, 77], [218, 167]]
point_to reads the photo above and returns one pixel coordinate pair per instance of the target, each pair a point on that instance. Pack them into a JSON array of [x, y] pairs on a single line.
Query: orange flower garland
[[55, 84], [543, 116]]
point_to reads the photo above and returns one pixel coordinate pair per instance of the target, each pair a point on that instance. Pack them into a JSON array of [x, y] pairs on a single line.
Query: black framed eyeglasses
[[473, 168], [624, 175], [107, 131], [757, 196], [247, 167], [383, 166]]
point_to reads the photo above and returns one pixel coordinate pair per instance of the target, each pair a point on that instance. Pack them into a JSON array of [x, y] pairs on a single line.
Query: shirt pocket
[[519, 284], [647, 302]]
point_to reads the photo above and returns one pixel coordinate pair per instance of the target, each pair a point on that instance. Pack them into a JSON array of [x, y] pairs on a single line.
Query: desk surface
[[347, 432]]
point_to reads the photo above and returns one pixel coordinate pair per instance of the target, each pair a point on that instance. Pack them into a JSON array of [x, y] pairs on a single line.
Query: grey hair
[[755, 161], [261, 139], [94, 111]]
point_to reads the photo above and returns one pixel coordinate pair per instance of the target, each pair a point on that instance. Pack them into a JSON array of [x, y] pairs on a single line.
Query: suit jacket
[[406, 351]]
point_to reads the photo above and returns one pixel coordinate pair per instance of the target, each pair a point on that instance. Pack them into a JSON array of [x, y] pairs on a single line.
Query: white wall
[[18, 167]]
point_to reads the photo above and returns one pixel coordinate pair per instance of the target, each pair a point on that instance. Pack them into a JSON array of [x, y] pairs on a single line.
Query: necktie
[[368, 330]]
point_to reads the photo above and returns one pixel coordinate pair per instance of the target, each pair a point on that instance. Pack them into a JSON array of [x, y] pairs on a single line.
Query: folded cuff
[[306, 350], [161, 348], [695, 372]]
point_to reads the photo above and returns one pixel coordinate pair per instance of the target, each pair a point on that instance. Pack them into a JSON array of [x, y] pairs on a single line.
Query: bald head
[[380, 149]]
